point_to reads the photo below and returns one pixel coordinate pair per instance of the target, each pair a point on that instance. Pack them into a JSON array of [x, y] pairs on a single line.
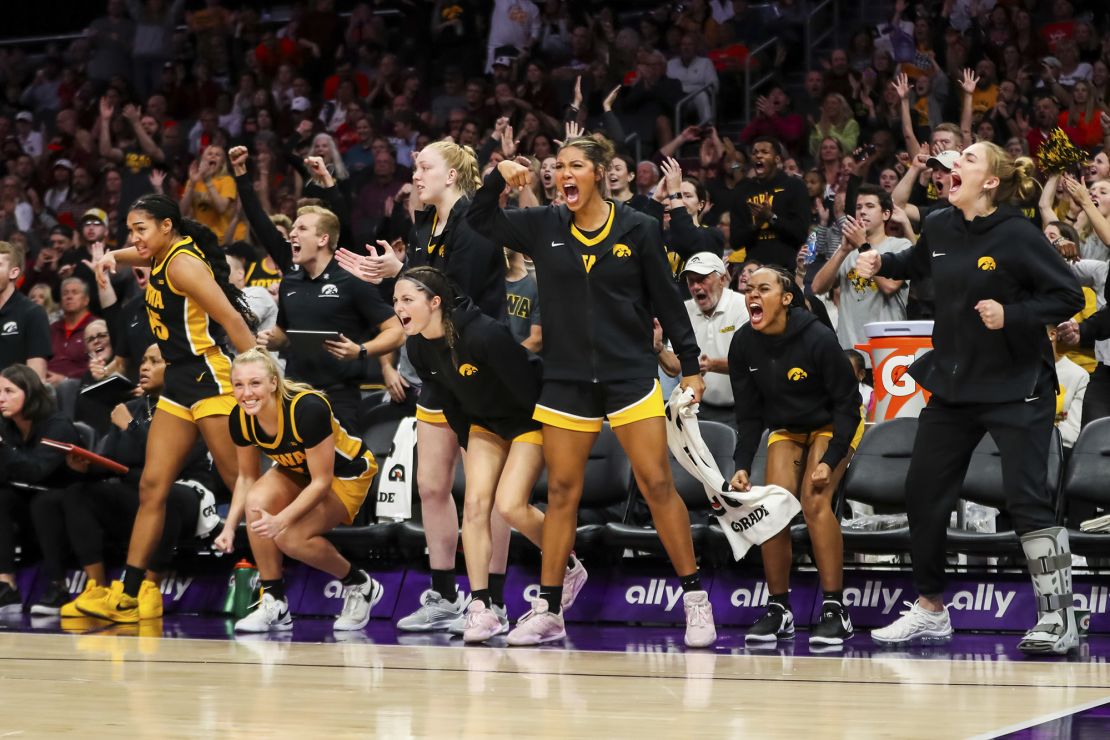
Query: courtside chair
[[877, 476], [1087, 480]]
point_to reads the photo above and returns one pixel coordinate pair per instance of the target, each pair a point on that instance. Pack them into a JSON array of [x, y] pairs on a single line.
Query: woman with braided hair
[[194, 311]]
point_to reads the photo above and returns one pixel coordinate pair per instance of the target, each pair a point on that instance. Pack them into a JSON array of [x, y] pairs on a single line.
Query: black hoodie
[[799, 381], [491, 380], [999, 257], [597, 294]]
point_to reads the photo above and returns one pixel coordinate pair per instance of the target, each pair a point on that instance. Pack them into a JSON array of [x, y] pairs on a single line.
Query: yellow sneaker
[[114, 606], [150, 601], [92, 591]]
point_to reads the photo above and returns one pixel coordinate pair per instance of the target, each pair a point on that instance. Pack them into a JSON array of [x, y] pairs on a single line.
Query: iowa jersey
[[304, 422], [182, 328], [259, 275]]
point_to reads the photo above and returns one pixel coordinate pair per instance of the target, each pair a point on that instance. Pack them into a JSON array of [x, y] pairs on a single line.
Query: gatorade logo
[[466, 370], [621, 250], [397, 473], [894, 377], [796, 374], [987, 264]]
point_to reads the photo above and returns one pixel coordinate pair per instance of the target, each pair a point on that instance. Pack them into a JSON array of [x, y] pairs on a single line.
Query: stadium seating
[[877, 477]]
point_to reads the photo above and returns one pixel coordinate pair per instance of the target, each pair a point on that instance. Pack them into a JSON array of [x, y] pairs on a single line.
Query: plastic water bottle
[[241, 589], [811, 248]]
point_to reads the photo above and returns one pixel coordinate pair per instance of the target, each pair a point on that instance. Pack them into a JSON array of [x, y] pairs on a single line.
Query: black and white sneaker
[[10, 603], [835, 626], [777, 624], [52, 601]]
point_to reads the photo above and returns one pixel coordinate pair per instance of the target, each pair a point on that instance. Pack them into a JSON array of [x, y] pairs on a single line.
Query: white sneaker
[[270, 616], [537, 626], [435, 613], [357, 604], [573, 582], [700, 630], [917, 623]]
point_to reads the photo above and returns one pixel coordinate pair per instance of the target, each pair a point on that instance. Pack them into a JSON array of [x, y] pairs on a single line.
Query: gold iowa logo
[[621, 250], [796, 374], [466, 370], [987, 264]]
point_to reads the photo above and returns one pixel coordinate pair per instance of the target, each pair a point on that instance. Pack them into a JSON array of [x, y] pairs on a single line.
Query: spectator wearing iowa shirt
[[524, 308], [321, 296], [24, 327], [771, 216]]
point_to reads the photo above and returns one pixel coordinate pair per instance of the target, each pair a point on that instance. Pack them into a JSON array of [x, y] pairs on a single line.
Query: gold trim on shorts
[[562, 420], [534, 437], [202, 409], [648, 407], [807, 439], [430, 416]]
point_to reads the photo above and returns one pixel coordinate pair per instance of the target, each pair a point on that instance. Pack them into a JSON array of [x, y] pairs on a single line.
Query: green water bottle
[[241, 589]]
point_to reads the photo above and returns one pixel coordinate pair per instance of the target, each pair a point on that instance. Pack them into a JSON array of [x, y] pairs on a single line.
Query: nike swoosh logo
[[939, 254], [1031, 399], [557, 244], [435, 372], [292, 292], [752, 369]]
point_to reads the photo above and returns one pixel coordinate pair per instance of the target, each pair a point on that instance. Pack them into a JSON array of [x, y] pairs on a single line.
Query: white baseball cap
[[704, 263]]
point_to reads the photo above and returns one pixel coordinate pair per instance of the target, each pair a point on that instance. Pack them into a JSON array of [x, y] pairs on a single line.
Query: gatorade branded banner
[[740, 598]]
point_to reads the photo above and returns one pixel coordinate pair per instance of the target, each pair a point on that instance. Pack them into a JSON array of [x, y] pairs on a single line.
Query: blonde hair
[[280, 219], [1016, 183], [16, 254], [287, 389], [326, 222], [463, 160]]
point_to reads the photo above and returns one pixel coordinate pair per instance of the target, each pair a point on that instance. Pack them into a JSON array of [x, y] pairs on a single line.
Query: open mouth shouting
[[570, 191], [954, 184], [755, 312]]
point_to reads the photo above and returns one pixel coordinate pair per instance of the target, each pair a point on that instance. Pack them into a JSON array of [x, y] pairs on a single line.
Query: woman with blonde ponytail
[[998, 283], [319, 479], [444, 179]]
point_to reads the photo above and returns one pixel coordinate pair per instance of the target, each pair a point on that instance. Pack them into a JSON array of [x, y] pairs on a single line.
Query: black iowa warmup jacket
[[472, 261], [1001, 257], [596, 294], [799, 381], [495, 383]]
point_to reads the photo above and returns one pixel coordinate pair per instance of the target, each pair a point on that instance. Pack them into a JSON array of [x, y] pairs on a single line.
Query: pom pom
[[1059, 154]]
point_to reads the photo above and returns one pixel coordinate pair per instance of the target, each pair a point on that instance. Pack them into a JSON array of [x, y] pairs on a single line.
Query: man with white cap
[[941, 166], [716, 312], [29, 138]]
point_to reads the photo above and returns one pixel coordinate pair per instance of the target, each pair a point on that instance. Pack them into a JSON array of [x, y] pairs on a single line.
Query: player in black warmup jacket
[[489, 385], [789, 375], [600, 266], [992, 369]]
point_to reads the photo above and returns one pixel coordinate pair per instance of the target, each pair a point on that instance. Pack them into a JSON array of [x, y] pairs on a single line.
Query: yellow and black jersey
[[598, 291], [183, 329], [684, 239], [259, 274], [304, 421]]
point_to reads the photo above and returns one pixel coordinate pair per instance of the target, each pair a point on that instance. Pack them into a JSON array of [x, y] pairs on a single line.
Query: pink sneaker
[[573, 582], [537, 626], [700, 630], [481, 623]]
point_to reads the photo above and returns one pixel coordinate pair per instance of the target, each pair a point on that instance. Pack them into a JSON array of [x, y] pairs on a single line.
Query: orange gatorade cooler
[[894, 345]]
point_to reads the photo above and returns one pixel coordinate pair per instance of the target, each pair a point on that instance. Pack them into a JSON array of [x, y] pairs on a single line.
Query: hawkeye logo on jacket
[[796, 374], [986, 264], [466, 370], [621, 250]]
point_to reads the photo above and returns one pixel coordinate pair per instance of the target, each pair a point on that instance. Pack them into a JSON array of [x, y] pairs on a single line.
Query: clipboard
[[310, 342], [110, 391], [95, 459]]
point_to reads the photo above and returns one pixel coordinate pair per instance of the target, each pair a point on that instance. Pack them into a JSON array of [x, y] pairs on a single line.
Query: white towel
[[207, 518], [396, 471], [747, 518]]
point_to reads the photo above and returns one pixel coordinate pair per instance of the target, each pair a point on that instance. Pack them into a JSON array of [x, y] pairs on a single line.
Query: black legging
[[43, 510], [108, 508]]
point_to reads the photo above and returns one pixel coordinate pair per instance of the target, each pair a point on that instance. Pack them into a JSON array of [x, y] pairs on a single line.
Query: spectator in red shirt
[[273, 52], [774, 118], [344, 71], [67, 334]]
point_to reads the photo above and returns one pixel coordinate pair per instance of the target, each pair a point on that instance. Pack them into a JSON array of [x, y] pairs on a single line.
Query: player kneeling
[[320, 478]]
